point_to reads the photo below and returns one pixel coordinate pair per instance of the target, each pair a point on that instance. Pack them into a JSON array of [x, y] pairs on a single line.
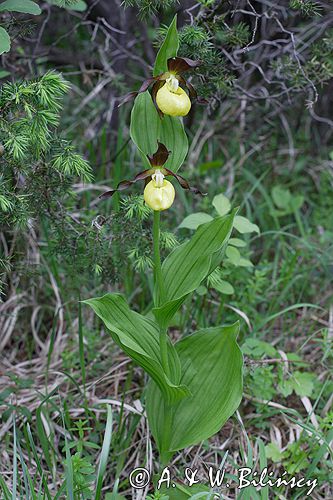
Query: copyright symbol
[[139, 478]]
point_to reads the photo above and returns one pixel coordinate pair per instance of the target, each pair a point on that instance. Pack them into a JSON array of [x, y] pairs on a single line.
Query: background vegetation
[[263, 141]]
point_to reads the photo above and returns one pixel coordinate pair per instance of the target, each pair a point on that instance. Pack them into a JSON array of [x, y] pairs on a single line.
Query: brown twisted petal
[[183, 182], [191, 89], [193, 93], [182, 64], [131, 95], [125, 184], [155, 88], [160, 157]]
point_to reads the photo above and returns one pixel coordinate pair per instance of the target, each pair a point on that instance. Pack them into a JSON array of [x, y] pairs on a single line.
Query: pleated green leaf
[[189, 264], [212, 369], [147, 129], [168, 49], [139, 339], [24, 6]]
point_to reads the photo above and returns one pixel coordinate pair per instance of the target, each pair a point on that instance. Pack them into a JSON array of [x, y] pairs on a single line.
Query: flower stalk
[[157, 259], [159, 284]]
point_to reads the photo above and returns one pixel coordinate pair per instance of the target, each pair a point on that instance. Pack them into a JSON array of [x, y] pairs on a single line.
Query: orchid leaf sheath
[[137, 336], [188, 265]]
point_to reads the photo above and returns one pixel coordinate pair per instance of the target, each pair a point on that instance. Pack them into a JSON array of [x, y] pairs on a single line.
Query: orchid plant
[[195, 384]]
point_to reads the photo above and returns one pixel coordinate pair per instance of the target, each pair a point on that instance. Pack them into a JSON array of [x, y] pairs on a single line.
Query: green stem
[[299, 223], [166, 455], [160, 293], [157, 259]]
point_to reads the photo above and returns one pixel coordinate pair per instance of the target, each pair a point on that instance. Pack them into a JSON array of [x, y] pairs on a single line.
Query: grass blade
[[104, 454], [69, 474], [14, 462], [38, 463], [81, 349]]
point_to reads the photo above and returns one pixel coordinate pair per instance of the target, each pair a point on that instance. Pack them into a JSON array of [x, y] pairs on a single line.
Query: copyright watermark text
[[216, 478]]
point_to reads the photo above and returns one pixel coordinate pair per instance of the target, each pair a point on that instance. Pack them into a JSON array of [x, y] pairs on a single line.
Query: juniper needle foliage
[[33, 156]]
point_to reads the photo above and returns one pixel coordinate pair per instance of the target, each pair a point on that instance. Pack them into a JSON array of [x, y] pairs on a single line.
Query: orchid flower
[[159, 193], [168, 93]]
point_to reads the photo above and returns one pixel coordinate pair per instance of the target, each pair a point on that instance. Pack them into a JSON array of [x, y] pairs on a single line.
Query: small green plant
[[83, 476], [233, 255], [83, 471], [285, 202], [283, 377], [302, 455]]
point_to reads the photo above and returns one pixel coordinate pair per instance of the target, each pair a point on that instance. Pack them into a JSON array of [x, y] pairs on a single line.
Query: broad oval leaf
[[193, 221], [233, 255], [221, 204], [225, 287], [236, 242], [212, 366], [245, 262], [173, 136], [243, 225], [147, 129], [24, 6], [215, 281], [144, 125], [296, 202], [4, 41], [189, 264], [139, 339], [168, 49], [281, 197]]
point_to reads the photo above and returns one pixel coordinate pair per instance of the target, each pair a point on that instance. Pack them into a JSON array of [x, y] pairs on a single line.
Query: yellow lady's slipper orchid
[[167, 93], [159, 193], [173, 102]]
